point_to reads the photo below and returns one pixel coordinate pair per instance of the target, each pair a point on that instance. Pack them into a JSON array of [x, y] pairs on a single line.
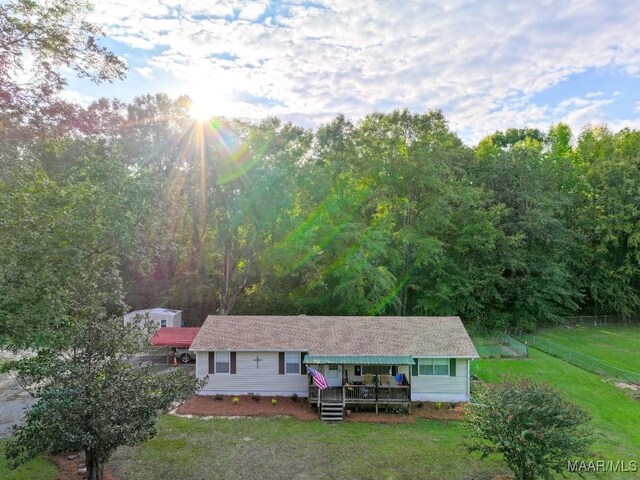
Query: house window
[[433, 366], [292, 362], [163, 322], [222, 362]]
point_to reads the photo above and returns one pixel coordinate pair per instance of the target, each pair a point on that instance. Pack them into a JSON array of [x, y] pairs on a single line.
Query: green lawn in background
[[37, 469], [276, 448], [616, 417], [618, 346]]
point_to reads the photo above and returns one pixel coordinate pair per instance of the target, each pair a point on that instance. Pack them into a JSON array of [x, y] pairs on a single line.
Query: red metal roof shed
[[174, 337]]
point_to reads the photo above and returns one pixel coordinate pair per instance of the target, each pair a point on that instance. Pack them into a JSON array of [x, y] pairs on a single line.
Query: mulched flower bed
[[208, 406], [68, 469]]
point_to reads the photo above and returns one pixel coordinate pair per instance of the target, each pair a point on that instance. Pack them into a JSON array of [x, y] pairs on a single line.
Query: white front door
[[333, 374]]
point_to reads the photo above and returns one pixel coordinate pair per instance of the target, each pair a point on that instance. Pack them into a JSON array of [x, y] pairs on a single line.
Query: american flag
[[318, 378]]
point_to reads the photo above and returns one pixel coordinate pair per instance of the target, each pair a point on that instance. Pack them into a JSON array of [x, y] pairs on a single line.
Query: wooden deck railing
[[362, 394]]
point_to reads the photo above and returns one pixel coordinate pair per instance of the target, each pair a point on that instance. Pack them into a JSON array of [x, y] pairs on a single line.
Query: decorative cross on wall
[[257, 360]]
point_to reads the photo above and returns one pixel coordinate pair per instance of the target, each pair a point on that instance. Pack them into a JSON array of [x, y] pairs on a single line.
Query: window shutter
[[212, 362], [452, 367], [414, 368], [281, 363], [233, 362], [303, 367]]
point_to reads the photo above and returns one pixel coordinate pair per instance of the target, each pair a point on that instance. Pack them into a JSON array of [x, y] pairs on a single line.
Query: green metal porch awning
[[358, 360]]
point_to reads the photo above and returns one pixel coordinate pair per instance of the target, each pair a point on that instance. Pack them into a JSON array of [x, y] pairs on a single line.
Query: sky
[[488, 65]]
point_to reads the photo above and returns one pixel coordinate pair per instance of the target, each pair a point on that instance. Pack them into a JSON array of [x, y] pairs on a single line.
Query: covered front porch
[[356, 380]]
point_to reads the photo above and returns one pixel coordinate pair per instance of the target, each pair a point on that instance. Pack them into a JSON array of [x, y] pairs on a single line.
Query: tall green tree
[[63, 236], [539, 282], [608, 215]]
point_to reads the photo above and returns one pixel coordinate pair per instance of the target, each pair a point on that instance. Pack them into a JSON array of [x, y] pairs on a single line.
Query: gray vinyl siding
[[442, 388], [264, 380]]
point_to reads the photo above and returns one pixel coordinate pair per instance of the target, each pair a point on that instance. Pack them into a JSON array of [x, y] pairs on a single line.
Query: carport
[[175, 338]]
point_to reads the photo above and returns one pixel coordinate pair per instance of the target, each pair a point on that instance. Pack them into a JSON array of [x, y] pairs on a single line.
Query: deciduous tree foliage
[[93, 395], [393, 215], [37, 40], [68, 222], [530, 425], [608, 216], [389, 215]]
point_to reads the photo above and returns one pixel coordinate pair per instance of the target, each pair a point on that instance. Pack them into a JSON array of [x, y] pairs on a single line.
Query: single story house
[[163, 317], [386, 359]]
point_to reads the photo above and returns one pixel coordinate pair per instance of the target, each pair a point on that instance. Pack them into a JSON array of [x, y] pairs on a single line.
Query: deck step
[[331, 412]]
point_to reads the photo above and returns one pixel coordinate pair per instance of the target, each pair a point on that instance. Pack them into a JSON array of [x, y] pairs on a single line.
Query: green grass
[[275, 448], [615, 416], [617, 346], [37, 469]]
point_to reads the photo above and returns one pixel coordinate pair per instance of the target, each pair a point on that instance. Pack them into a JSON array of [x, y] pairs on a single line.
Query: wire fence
[[501, 346], [598, 320], [580, 359]]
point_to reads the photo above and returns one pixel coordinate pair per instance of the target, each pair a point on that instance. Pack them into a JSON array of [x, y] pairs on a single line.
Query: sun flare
[[201, 110]]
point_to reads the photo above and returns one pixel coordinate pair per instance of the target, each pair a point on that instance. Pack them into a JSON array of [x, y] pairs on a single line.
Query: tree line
[[136, 204], [390, 215]]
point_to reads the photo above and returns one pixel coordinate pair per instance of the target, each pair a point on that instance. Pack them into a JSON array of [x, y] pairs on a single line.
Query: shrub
[[294, 397], [218, 396], [255, 397], [530, 424], [273, 401], [453, 405], [235, 400], [439, 405]]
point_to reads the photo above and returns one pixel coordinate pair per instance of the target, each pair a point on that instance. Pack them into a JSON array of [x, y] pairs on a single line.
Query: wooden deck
[[362, 395]]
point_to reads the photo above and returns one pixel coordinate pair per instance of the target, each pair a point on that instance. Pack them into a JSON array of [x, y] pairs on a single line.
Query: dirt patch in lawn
[[69, 469], [208, 406]]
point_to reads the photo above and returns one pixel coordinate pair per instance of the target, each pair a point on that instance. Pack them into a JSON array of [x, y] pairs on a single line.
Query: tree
[[537, 255], [608, 215], [39, 40], [534, 429], [68, 221], [92, 395]]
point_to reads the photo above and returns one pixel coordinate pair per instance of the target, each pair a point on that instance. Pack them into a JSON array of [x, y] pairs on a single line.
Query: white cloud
[[146, 72], [74, 96], [480, 61]]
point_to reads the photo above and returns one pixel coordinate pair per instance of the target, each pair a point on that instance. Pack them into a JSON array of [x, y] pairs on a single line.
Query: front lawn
[[276, 448], [616, 417]]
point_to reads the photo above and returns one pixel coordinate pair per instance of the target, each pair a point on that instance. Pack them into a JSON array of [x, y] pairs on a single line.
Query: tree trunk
[[95, 467]]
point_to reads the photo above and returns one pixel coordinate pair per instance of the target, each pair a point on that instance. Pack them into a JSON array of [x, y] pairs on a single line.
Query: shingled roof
[[417, 336]]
